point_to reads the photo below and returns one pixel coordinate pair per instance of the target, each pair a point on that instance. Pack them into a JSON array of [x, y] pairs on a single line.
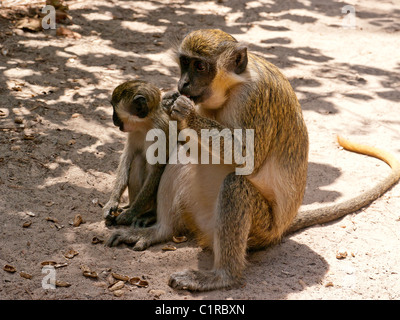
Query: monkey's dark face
[[211, 63], [196, 77]]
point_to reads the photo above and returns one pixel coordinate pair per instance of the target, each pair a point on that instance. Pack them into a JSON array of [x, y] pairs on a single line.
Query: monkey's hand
[[182, 109], [168, 100], [126, 217], [108, 211]]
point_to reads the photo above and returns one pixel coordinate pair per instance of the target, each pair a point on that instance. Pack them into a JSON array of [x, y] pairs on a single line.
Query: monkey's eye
[[200, 65]]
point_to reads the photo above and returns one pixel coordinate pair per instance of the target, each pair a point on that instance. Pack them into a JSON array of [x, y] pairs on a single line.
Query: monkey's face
[[211, 63], [133, 102], [196, 76]]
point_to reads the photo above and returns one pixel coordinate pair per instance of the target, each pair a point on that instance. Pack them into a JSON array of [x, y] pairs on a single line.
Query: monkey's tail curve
[[329, 213]]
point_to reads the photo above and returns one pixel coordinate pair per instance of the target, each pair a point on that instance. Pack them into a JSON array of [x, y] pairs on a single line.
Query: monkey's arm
[[145, 198], [235, 144], [120, 184]]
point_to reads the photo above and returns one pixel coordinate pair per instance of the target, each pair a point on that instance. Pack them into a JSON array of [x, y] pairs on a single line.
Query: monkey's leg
[[144, 200], [238, 203], [120, 184], [169, 216]]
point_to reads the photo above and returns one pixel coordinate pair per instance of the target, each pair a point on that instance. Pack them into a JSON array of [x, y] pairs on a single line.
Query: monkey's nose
[[183, 86]]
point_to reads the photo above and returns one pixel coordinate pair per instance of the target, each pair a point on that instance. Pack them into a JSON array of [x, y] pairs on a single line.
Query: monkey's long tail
[[332, 212]]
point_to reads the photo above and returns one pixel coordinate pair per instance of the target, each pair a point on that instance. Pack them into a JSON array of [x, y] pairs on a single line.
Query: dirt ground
[[59, 160]]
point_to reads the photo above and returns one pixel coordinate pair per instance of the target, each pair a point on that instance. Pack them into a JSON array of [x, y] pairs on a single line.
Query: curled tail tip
[[340, 139]]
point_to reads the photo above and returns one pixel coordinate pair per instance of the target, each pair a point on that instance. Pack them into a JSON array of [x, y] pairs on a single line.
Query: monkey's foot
[[198, 280], [141, 238]]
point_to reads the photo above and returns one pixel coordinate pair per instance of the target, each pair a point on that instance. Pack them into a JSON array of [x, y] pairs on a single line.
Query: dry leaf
[[3, 113], [88, 273], [60, 265], [138, 282], [117, 286], [30, 24], [57, 4], [96, 240], [9, 268], [25, 275], [51, 219], [71, 253], [48, 263], [71, 142], [118, 293], [142, 283], [120, 276], [58, 226], [179, 239], [60, 283], [156, 293], [65, 32], [62, 16], [77, 220], [29, 136], [341, 254], [169, 247], [27, 224]]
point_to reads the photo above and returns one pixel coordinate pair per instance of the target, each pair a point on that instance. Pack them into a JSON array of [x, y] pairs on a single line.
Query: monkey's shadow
[[271, 273], [320, 175]]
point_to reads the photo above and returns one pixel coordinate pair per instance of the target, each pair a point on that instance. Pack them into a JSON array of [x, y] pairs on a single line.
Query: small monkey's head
[[133, 103], [211, 63]]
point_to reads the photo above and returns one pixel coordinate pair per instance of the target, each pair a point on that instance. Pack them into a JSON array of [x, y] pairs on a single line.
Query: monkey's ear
[[239, 59], [140, 100]]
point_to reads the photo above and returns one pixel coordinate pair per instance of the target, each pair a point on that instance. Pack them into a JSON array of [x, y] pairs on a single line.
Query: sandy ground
[[62, 163]]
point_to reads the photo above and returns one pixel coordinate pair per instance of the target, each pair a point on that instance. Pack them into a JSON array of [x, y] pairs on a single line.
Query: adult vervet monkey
[[222, 85]]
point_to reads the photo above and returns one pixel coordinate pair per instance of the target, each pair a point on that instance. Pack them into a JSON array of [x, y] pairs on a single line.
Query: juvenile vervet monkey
[[136, 110], [224, 86]]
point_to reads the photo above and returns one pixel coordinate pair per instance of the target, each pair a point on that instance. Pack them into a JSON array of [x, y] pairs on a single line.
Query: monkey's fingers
[[119, 237], [125, 217], [109, 220], [168, 100], [182, 108], [198, 280]]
